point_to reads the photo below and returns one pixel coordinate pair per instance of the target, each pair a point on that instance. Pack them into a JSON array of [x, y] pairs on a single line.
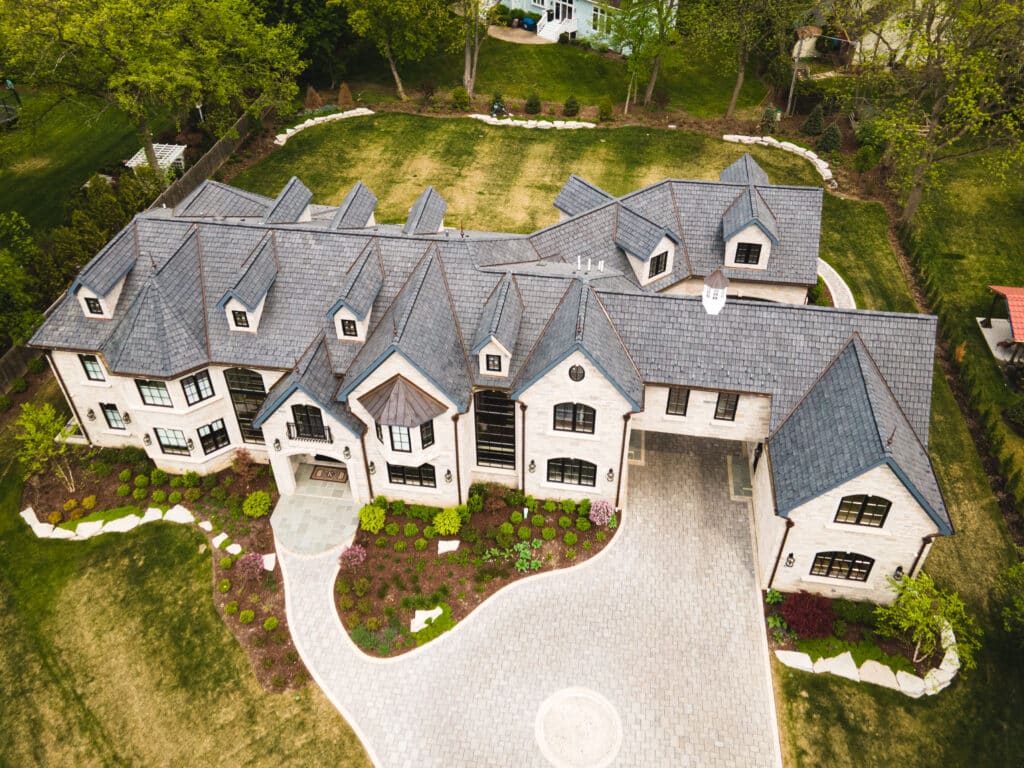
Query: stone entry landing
[[319, 516]]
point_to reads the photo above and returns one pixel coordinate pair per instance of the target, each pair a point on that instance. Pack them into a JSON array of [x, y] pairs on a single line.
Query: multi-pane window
[[748, 253], [92, 367], [842, 565], [380, 432], [309, 422], [240, 318], [400, 440], [678, 399], [494, 363], [573, 471], [600, 22], [725, 408], [427, 434], [247, 394], [197, 387], [863, 510], [153, 393], [574, 417], [112, 415], [213, 436], [422, 475], [495, 429], [348, 328], [94, 306], [172, 441], [659, 264]]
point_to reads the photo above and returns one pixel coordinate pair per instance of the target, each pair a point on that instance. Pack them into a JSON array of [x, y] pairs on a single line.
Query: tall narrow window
[[426, 434], [348, 328], [380, 432], [247, 394], [92, 367], [197, 387], [659, 264], [172, 441], [678, 399], [495, 429], [240, 318], [400, 439], [572, 471], [863, 510], [94, 306], [574, 417], [112, 415], [213, 436], [725, 409], [748, 253], [842, 565], [154, 393]]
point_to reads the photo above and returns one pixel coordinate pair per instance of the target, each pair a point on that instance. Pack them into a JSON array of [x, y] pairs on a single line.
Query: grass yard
[[41, 167], [111, 653], [700, 87]]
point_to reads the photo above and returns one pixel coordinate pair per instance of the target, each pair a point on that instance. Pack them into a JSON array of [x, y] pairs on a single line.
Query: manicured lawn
[[111, 653], [699, 87], [40, 168]]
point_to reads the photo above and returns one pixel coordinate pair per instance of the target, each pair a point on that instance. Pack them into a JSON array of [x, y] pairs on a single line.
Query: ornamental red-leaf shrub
[[601, 512], [249, 566], [352, 557], [808, 615]]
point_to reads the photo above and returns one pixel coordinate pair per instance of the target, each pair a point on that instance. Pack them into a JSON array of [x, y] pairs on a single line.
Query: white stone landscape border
[[821, 166], [558, 125], [876, 673], [282, 138]]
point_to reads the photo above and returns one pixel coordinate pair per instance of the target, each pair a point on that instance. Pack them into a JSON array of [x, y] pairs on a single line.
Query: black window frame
[[405, 443], [572, 472], [349, 328], [147, 387], [863, 509], [496, 360], [247, 392], [658, 265], [197, 381], [423, 476], [574, 417], [215, 437], [672, 406], [93, 305], [112, 414], [845, 566], [427, 434], [726, 405], [240, 318], [495, 429], [380, 432], [93, 367], [309, 422], [171, 448], [748, 254]]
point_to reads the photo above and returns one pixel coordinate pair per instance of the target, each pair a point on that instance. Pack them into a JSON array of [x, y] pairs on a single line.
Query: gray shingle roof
[[108, 267], [848, 423], [258, 274], [362, 283], [427, 214], [579, 196], [290, 203], [744, 171], [749, 208], [638, 235], [356, 209], [501, 316], [213, 199]]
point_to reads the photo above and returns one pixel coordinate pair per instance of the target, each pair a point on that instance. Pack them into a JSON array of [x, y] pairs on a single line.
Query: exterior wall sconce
[[373, 468], [90, 415], [898, 574], [126, 418], [533, 466], [611, 475], [790, 560], [447, 475], [146, 440], [347, 453], [190, 444], [277, 444]]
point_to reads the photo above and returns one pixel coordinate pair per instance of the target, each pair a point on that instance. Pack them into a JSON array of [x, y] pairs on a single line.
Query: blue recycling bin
[[529, 25]]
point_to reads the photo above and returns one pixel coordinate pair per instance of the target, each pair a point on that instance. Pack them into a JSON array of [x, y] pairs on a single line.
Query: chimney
[[713, 297]]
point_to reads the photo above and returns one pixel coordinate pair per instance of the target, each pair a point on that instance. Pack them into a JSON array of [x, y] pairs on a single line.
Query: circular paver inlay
[[578, 728]]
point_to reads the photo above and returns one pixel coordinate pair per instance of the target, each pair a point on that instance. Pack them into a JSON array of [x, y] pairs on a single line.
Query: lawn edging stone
[[282, 138], [558, 125], [91, 528], [821, 166]]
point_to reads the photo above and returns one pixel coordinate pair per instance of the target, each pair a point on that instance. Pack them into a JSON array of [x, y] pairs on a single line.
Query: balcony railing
[[309, 434]]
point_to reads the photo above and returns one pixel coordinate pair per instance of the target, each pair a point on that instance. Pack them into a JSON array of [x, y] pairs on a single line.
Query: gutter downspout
[[67, 397], [782, 548], [458, 466], [926, 542], [366, 466], [622, 457], [522, 463]]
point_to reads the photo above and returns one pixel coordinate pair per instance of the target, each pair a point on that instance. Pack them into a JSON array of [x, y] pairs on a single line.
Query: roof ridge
[[424, 266], [817, 380], [202, 293], [581, 310], [681, 230], [853, 344], [541, 335], [615, 330]]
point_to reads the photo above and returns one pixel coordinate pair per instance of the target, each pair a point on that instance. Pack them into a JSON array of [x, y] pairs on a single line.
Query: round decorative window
[[576, 373]]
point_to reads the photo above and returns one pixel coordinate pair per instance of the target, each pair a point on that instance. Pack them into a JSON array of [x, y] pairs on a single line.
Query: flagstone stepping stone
[[447, 546], [269, 561], [419, 621], [219, 539], [178, 514], [206, 525], [152, 515], [233, 549], [876, 673]]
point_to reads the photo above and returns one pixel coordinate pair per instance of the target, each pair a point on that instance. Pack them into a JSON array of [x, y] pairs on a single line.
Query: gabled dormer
[[98, 286], [579, 196], [749, 230], [291, 205], [351, 312], [243, 303], [650, 249], [426, 217], [356, 210], [499, 326]]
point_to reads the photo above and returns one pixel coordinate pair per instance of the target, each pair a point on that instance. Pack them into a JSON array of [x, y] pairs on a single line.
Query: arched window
[[572, 471], [863, 510], [842, 565], [308, 424], [574, 417]]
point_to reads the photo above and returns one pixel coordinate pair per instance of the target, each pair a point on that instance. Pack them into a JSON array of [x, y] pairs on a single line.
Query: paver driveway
[[665, 624]]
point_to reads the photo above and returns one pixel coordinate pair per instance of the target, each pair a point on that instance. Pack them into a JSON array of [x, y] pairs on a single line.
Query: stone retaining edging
[[282, 138], [821, 166], [558, 125], [86, 530], [877, 673]]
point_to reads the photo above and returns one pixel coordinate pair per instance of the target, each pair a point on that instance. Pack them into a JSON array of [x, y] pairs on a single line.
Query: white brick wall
[[752, 416]]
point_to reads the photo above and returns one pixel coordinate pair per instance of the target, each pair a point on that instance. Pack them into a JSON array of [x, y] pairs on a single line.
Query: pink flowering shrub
[[352, 556], [601, 512], [249, 566]]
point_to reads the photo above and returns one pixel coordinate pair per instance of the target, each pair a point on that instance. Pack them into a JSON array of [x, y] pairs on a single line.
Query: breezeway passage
[[665, 625]]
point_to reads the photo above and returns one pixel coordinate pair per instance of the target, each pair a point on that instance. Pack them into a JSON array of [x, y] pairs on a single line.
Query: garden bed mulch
[[377, 599]]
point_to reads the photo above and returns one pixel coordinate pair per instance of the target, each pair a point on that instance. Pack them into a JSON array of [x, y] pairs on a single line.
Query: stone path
[[318, 517], [664, 624], [842, 296]]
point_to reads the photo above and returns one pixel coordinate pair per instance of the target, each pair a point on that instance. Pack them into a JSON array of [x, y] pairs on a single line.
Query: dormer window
[[659, 264], [94, 306], [348, 328], [494, 363], [748, 253], [240, 319]]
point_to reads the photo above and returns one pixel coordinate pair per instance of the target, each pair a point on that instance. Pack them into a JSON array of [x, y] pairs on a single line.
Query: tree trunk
[[916, 192], [649, 93], [147, 144], [394, 72], [742, 60], [629, 92], [471, 52]]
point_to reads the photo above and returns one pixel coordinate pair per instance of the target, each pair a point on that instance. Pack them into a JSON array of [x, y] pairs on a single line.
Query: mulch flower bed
[[394, 569]]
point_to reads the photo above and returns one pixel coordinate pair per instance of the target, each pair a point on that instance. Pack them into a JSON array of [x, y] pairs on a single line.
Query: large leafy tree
[[155, 57], [474, 21], [18, 295], [647, 30], [323, 33]]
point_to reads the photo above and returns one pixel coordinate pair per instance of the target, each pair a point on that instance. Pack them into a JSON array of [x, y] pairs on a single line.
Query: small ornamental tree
[[41, 436], [815, 122], [532, 106], [447, 522], [831, 139], [571, 108], [601, 512], [769, 120], [371, 518], [1009, 593], [921, 612]]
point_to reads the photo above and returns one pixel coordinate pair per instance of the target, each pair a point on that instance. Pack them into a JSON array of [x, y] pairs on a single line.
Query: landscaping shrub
[[175, 482], [88, 503], [504, 540], [475, 504], [191, 479], [391, 529], [139, 494], [582, 524], [531, 504], [1009, 595], [564, 522], [270, 624], [478, 489], [124, 490], [371, 518], [550, 506], [244, 466], [174, 498], [157, 476], [18, 386], [231, 608], [854, 612], [525, 533], [537, 521], [460, 99], [839, 628], [36, 365], [70, 504], [470, 535], [548, 534], [159, 497], [570, 553], [100, 469], [506, 528], [808, 615], [570, 539], [429, 532], [437, 626], [250, 566], [226, 562], [124, 475], [141, 481], [77, 514], [866, 158], [5, 403], [604, 109], [601, 536], [193, 494], [447, 522], [411, 529], [398, 507], [583, 507], [568, 506], [831, 139], [601, 512], [815, 122], [381, 541], [257, 504], [769, 120], [420, 544], [246, 617], [54, 518], [224, 585], [532, 105], [361, 586], [209, 481], [219, 495], [516, 517], [400, 545]]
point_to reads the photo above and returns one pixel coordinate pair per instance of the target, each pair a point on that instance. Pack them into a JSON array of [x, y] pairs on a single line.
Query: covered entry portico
[[319, 511]]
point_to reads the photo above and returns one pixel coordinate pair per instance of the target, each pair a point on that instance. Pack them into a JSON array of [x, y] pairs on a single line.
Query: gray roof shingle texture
[[108, 267], [749, 208], [258, 274], [215, 200], [579, 195], [500, 316], [744, 171], [636, 234], [363, 281], [290, 203], [427, 214], [356, 209]]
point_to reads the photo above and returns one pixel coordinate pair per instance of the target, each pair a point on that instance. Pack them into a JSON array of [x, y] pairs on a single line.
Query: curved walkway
[[842, 296], [665, 624]]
